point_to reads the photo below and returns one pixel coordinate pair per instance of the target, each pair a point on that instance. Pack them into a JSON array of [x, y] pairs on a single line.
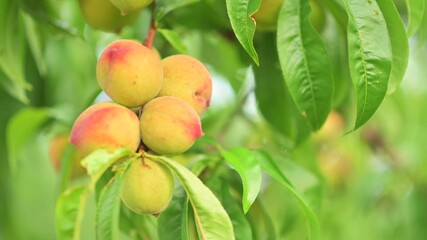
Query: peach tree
[[192, 119]]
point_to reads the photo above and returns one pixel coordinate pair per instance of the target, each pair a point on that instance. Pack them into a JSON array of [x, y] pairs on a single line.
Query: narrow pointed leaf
[[174, 39], [273, 97], [164, 7], [399, 43], [245, 163], [240, 13], [415, 15], [273, 170], [241, 225], [370, 56], [173, 221], [212, 220], [304, 62], [108, 210], [12, 51]]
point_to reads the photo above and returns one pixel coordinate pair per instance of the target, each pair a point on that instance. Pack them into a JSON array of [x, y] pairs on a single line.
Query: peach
[[332, 129], [147, 187], [268, 13], [57, 148], [169, 125], [105, 125], [103, 15], [127, 6], [187, 78], [129, 73]]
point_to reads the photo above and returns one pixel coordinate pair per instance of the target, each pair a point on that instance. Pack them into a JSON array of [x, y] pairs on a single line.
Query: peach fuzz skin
[[187, 78], [105, 125], [103, 15], [147, 187], [129, 73], [169, 125]]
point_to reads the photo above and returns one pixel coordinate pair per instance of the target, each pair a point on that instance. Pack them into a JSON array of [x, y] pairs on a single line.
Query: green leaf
[[272, 169], [304, 62], [108, 209], [212, 220], [69, 213], [370, 56], [415, 15], [12, 51], [240, 13], [173, 221], [274, 100], [35, 43], [163, 7], [174, 39], [100, 160], [20, 129], [399, 43], [67, 164], [241, 226], [245, 163], [336, 7]]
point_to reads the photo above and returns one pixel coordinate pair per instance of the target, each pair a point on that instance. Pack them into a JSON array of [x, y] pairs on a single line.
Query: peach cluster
[[169, 94]]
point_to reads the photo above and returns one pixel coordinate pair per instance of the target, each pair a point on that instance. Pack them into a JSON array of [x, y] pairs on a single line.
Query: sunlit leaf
[[240, 13], [163, 7], [100, 160], [21, 128], [174, 39], [370, 56], [415, 15], [245, 163], [212, 220], [273, 170], [304, 62]]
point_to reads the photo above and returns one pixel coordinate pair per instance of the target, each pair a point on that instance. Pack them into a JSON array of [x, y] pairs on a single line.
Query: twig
[[153, 29]]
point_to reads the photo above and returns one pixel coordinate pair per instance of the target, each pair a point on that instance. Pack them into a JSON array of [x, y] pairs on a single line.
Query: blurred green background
[[367, 184]]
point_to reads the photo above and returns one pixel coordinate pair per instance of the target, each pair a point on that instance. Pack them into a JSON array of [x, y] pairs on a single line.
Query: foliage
[[273, 164]]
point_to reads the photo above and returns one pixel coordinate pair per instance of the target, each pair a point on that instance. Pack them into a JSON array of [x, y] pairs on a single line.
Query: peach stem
[[152, 31]]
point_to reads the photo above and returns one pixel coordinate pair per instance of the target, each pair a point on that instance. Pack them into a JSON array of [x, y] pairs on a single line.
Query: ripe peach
[[103, 15], [187, 78], [127, 6], [147, 187], [130, 73], [57, 148], [169, 125], [105, 125]]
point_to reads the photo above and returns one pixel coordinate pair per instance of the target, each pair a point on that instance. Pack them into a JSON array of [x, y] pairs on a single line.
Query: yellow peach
[[130, 73], [187, 78], [147, 187], [127, 6], [103, 15], [169, 125]]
